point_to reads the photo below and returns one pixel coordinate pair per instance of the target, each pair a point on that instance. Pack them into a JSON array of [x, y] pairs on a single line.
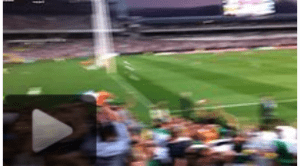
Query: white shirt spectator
[[287, 132]]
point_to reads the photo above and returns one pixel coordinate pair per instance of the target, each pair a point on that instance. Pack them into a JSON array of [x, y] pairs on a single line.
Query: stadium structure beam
[[103, 45]]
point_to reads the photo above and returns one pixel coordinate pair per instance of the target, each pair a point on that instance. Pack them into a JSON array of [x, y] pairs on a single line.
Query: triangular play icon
[[47, 130]]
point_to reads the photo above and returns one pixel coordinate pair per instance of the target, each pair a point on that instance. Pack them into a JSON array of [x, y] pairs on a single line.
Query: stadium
[[179, 77]]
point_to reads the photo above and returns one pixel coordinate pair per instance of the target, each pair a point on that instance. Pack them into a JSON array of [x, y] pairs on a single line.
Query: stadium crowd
[[120, 139], [83, 47], [123, 140], [83, 22]]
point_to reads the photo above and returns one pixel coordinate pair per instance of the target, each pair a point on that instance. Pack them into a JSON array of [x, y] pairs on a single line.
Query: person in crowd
[[286, 132], [155, 113], [267, 107], [286, 145], [149, 152], [168, 142], [102, 97], [286, 151], [126, 117], [262, 142], [141, 152], [113, 144], [178, 143], [107, 114], [199, 154], [239, 142], [160, 156], [161, 135]]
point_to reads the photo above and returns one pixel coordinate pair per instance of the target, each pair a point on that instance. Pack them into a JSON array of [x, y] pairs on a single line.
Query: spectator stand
[[13, 58]]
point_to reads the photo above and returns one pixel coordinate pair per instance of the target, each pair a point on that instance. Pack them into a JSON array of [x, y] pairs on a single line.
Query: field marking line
[[240, 105], [134, 78], [126, 86], [129, 68], [126, 62], [34, 91]]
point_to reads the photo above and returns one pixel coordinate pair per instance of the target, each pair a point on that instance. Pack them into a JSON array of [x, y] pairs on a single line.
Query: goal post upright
[[103, 44]]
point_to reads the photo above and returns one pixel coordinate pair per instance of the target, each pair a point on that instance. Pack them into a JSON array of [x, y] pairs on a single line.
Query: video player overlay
[[49, 130]]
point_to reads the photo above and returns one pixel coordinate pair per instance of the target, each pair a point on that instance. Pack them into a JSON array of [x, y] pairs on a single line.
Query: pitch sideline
[[240, 105]]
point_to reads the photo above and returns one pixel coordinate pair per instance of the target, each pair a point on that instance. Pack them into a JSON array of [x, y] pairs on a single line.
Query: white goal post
[[103, 44]]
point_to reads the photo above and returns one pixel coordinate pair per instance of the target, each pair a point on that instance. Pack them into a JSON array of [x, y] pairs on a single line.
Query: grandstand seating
[[84, 47]]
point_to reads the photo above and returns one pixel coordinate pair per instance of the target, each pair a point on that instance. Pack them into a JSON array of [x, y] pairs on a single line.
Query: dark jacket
[[177, 148]]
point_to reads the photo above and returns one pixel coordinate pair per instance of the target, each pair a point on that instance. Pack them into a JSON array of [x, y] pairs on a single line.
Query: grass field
[[226, 78]]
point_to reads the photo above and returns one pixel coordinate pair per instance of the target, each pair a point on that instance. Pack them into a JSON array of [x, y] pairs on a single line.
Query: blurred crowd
[[171, 140], [119, 138], [83, 22], [40, 22], [84, 47]]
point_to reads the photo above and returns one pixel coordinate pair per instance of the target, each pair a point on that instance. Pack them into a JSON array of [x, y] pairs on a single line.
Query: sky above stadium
[[171, 3]]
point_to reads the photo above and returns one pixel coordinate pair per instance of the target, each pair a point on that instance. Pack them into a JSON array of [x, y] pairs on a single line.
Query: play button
[[47, 130]]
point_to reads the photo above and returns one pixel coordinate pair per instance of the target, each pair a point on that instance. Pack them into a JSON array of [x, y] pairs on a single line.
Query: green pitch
[[234, 79]]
